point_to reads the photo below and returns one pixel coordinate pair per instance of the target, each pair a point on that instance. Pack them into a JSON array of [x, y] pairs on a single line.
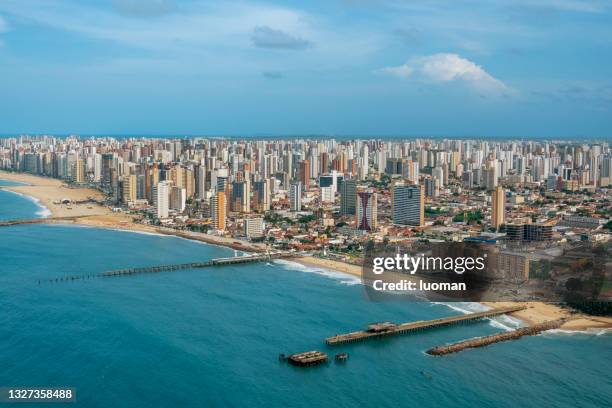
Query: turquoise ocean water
[[211, 337], [18, 206]]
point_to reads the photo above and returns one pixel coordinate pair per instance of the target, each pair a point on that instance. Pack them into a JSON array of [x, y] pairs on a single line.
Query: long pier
[[495, 338], [389, 329], [176, 267], [10, 223]]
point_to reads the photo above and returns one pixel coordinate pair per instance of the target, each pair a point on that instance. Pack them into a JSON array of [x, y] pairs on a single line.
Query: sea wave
[[43, 211], [343, 278], [503, 322], [590, 332]]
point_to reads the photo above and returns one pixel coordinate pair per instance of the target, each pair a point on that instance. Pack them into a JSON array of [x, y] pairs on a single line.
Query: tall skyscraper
[[78, 171], [295, 196], [431, 189], [366, 211], [130, 188], [261, 195], [240, 197], [161, 198], [304, 173], [490, 178], [178, 198], [498, 202], [107, 165], [408, 205], [348, 197], [217, 210], [201, 182]]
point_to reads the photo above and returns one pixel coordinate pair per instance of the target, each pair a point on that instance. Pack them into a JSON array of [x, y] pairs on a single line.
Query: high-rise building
[[178, 198], [431, 187], [261, 195], [526, 231], [326, 180], [253, 227], [366, 211], [327, 194], [217, 210], [348, 197], [295, 196], [78, 171], [438, 174], [130, 188], [240, 197], [201, 182], [304, 173], [107, 165], [498, 200], [161, 198], [490, 178], [408, 205]]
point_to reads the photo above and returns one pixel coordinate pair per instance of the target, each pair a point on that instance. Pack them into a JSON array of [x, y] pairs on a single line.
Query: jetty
[[11, 223], [308, 358], [176, 267], [495, 338], [388, 328]]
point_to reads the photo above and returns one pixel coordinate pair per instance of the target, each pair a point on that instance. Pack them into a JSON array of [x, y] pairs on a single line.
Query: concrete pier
[[388, 328], [11, 223], [177, 267]]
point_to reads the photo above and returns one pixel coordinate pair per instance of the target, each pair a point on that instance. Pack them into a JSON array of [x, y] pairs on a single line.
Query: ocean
[[211, 337]]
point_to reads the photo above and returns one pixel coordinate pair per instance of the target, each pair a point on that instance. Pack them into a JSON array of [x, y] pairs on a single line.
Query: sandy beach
[[50, 192]]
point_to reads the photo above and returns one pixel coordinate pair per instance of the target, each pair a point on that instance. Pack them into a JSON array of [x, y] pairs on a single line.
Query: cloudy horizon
[[520, 68]]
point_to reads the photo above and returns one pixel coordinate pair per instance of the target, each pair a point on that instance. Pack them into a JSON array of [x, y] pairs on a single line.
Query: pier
[[11, 223], [495, 338], [176, 267], [389, 329]]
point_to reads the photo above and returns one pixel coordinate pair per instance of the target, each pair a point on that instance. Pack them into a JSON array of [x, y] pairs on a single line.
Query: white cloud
[[446, 67]]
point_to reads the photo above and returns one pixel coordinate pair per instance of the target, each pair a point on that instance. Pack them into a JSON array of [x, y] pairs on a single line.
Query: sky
[[520, 68]]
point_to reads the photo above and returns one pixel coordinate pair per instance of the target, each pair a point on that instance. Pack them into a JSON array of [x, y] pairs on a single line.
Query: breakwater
[[495, 338]]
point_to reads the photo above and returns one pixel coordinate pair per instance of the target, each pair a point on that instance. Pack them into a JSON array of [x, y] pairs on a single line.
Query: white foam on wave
[[43, 212], [343, 278], [503, 322], [151, 234], [590, 332]]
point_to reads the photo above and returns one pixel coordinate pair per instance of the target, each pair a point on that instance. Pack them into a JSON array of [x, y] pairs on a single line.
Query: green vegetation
[[539, 270], [305, 219], [274, 219], [432, 212], [472, 216]]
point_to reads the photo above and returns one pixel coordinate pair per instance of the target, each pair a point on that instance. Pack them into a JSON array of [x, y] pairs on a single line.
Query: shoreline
[[48, 194]]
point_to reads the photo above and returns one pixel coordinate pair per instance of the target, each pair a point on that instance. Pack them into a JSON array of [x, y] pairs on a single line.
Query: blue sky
[[523, 68]]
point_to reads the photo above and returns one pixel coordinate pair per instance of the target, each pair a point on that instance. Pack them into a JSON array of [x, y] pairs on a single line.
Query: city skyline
[[532, 68], [255, 202]]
